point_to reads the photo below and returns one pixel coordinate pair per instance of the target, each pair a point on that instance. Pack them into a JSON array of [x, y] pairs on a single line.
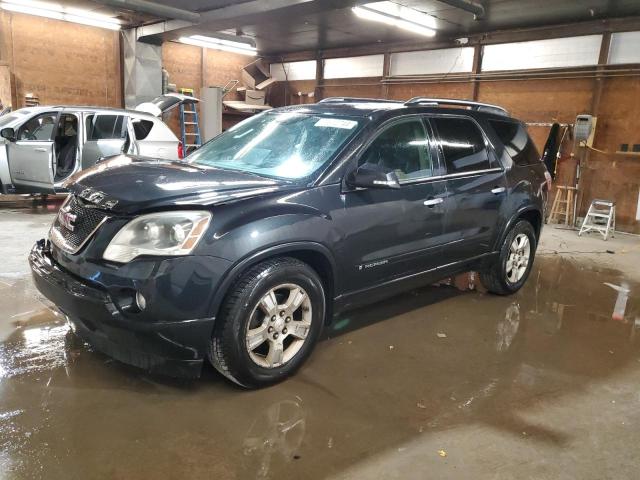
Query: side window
[[106, 127], [462, 144], [403, 148], [38, 129], [516, 141], [141, 128], [67, 126]]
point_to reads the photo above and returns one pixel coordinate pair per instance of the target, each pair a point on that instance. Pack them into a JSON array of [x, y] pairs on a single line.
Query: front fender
[[259, 255]]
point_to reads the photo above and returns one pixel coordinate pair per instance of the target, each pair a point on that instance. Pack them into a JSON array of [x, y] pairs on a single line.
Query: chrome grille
[[87, 220]]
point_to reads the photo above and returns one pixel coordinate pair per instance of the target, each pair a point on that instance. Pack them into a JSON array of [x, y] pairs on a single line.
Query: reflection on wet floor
[[417, 366]]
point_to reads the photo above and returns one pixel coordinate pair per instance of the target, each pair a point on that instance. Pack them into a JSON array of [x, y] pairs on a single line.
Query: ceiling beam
[[153, 8], [476, 9], [590, 27], [250, 12]]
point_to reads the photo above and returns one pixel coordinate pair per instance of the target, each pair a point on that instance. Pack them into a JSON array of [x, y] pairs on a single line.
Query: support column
[[476, 69], [319, 90], [585, 153], [142, 69], [7, 88], [386, 71]]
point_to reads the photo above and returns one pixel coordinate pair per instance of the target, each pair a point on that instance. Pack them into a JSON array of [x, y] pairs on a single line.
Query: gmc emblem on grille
[[67, 219]]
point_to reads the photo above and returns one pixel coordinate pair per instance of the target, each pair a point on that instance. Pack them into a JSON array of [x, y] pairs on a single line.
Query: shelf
[[628, 154]]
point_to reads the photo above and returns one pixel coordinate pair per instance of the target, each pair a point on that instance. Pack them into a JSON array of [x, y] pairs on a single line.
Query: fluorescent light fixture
[[220, 44], [60, 12], [399, 16]]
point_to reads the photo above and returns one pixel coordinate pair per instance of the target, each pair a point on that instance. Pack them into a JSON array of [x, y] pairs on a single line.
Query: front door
[[32, 156], [475, 185], [392, 233], [106, 135]]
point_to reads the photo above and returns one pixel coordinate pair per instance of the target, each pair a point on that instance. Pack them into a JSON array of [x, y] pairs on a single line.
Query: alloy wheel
[[278, 325], [518, 260]]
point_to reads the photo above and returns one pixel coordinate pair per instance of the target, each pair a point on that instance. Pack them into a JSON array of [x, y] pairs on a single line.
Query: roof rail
[[436, 102], [355, 100]]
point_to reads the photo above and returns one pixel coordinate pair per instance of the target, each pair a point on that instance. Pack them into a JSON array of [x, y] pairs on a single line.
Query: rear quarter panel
[[160, 143]]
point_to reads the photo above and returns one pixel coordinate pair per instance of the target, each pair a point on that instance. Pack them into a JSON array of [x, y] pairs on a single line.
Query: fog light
[[141, 302]]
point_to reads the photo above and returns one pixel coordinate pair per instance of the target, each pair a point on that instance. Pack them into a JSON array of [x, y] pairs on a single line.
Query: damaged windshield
[[282, 145]]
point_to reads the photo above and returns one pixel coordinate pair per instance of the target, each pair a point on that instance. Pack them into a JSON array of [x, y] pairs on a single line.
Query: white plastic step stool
[[601, 218]]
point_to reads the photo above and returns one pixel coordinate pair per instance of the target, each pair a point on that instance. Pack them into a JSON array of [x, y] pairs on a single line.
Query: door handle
[[498, 190], [39, 149], [432, 202]]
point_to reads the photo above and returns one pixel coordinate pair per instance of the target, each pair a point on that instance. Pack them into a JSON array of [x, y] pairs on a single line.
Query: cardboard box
[[254, 97], [256, 75]]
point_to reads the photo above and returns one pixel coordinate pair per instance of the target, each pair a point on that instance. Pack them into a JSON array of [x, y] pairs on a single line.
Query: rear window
[[142, 128], [462, 144], [516, 141], [106, 127]]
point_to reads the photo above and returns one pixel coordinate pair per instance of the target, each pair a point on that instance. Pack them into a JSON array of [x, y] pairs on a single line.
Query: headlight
[[164, 233]]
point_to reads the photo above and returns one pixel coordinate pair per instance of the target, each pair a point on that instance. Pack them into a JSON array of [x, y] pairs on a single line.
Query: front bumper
[[174, 348]]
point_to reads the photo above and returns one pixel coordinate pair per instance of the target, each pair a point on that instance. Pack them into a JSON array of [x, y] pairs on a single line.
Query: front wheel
[[269, 323], [514, 263]]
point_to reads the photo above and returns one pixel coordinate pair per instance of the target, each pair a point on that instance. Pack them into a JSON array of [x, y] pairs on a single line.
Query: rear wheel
[[514, 263], [269, 323]]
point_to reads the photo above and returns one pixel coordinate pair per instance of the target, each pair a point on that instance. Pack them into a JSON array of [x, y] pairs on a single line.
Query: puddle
[[418, 366]]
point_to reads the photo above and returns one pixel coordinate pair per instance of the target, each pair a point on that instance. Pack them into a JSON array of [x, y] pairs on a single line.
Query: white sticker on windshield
[[336, 123]]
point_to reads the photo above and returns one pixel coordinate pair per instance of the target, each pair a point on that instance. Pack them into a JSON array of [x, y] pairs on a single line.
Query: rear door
[[392, 233], [475, 184], [32, 158], [105, 135]]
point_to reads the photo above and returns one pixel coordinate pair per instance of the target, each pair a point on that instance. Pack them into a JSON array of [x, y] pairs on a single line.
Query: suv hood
[[127, 184]]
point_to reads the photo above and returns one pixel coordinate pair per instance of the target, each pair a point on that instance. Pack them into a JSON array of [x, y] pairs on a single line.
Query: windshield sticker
[[336, 123]]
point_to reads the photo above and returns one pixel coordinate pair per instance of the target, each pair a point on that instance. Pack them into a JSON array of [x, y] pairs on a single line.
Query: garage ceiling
[[282, 26]]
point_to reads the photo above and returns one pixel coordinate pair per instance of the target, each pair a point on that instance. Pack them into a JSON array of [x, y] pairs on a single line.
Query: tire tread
[[219, 355]]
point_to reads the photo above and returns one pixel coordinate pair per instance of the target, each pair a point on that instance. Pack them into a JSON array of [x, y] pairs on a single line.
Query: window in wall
[[353, 67], [516, 141], [402, 148], [305, 70], [624, 48], [462, 144], [446, 60], [550, 53]]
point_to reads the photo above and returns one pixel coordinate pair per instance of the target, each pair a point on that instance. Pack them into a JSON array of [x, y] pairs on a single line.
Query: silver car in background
[[40, 147]]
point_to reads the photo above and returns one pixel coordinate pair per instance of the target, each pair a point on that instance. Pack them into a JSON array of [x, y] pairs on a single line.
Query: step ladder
[[189, 123], [601, 217], [563, 205]]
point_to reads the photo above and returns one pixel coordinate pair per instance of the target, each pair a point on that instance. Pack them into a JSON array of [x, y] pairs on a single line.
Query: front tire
[[514, 263], [269, 323]]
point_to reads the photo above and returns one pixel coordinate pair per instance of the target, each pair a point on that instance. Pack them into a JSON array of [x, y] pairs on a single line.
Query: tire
[[500, 277], [268, 286]]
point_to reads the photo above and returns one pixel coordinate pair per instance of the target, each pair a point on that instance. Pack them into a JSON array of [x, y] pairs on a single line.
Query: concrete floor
[[437, 383]]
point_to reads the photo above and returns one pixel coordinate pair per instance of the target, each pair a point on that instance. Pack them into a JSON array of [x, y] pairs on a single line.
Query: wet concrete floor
[[436, 383]]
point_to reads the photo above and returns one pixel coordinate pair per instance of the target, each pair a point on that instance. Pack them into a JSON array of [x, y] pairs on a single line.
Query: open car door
[[32, 156], [106, 135], [164, 103]]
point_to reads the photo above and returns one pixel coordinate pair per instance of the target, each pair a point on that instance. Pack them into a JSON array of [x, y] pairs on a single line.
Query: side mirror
[[373, 176], [8, 133]]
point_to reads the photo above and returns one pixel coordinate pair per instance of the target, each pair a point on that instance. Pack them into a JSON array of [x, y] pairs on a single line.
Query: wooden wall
[[188, 68], [60, 62], [608, 176]]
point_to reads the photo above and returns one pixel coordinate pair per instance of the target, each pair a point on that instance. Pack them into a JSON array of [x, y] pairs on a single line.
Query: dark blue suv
[[242, 253]]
